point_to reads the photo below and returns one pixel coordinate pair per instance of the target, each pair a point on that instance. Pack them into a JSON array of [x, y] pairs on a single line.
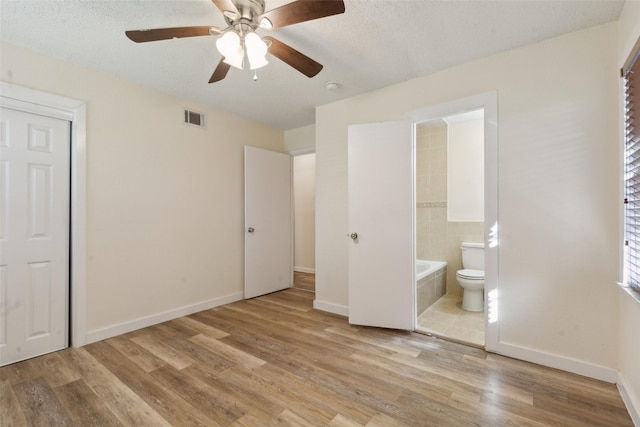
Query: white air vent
[[193, 118]]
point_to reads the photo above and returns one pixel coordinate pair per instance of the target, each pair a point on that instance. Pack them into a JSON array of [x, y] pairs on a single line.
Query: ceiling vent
[[193, 118]]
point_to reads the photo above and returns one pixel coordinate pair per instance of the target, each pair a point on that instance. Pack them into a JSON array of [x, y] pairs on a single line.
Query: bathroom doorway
[[449, 156], [456, 202]]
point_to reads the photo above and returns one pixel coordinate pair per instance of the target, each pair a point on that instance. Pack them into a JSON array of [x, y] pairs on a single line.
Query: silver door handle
[[354, 236], [251, 229]]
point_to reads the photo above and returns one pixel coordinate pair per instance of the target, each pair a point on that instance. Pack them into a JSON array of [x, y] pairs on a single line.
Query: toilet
[[471, 277]]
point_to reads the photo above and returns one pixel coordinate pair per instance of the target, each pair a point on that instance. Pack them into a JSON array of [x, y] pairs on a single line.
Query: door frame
[[489, 102], [46, 104], [292, 154]]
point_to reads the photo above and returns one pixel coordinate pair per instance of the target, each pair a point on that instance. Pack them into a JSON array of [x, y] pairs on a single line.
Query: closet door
[[34, 235]]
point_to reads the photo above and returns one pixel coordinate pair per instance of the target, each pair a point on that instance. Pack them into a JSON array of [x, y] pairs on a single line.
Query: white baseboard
[[630, 401], [304, 270], [331, 308], [143, 322], [559, 362]]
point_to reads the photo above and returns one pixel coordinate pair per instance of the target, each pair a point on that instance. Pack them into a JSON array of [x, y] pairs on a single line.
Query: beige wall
[[304, 186], [557, 108], [164, 200], [629, 308], [300, 140]]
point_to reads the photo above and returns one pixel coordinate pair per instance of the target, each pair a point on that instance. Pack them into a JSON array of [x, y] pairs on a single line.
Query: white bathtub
[[431, 277], [425, 268]]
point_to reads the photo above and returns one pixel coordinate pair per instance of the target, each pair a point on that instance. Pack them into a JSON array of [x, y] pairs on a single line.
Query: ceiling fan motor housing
[[248, 9]]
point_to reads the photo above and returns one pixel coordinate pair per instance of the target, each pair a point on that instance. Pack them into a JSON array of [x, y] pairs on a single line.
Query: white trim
[[631, 402], [489, 102], [143, 322], [558, 362], [292, 225], [621, 183], [32, 107], [633, 294], [304, 270], [46, 104], [331, 308]]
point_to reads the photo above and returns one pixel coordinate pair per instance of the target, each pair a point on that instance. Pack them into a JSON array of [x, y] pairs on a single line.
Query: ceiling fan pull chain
[[255, 75]]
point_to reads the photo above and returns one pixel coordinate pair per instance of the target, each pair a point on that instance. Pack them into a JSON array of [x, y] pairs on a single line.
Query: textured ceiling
[[375, 43]]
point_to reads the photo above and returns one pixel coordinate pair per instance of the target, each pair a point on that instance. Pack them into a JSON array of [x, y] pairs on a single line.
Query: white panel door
[[267, 201], [381, 213], [34, 235]]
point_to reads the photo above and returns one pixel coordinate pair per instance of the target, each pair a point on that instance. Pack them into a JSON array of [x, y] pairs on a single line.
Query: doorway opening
[[304, 173], [456, 195], [449, 177]]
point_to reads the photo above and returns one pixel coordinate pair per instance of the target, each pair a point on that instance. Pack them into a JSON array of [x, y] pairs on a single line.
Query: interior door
[[267, 260], [34, 235], [381, 225]]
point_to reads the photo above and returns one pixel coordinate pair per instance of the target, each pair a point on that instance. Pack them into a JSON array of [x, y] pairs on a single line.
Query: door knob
[[251, 229], [354, 236]]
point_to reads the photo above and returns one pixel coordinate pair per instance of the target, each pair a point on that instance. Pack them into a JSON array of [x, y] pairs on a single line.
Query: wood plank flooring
[[304, 281], [274, 361]]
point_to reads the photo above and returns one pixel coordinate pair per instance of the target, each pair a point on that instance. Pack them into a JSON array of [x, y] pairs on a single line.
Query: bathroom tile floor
[[446, 318]]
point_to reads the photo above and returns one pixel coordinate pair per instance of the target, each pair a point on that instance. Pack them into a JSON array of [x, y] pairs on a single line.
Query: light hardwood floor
[[304, 281], [273, 360]]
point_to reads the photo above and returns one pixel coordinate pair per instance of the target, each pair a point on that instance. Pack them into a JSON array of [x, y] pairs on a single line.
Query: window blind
[[631, 74]]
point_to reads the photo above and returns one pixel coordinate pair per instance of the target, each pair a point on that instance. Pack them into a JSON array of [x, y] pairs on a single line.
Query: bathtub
[[431, 277], [425, 268]]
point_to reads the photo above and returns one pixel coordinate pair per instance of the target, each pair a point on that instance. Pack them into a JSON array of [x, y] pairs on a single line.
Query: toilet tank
[[472, 255]]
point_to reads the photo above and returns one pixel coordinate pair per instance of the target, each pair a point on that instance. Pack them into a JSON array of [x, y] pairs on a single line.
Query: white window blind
[[631, 74]]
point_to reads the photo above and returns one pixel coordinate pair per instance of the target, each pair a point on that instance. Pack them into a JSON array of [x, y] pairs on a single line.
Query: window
[[631, 75]]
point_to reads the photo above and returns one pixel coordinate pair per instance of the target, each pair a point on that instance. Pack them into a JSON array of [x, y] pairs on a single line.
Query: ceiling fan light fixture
[[258, 62], [256, 51], [236, 61], [230, 46]]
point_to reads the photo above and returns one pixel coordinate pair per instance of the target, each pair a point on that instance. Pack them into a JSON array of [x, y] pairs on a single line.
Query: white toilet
[[471, 277]]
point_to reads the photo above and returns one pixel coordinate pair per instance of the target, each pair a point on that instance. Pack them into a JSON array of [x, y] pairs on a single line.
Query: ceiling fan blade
[[140, 36], [301, 11], [220, 72], [297, 60], [226, 5]]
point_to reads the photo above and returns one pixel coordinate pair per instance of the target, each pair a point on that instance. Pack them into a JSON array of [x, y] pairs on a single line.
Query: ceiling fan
[[239, 43]]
